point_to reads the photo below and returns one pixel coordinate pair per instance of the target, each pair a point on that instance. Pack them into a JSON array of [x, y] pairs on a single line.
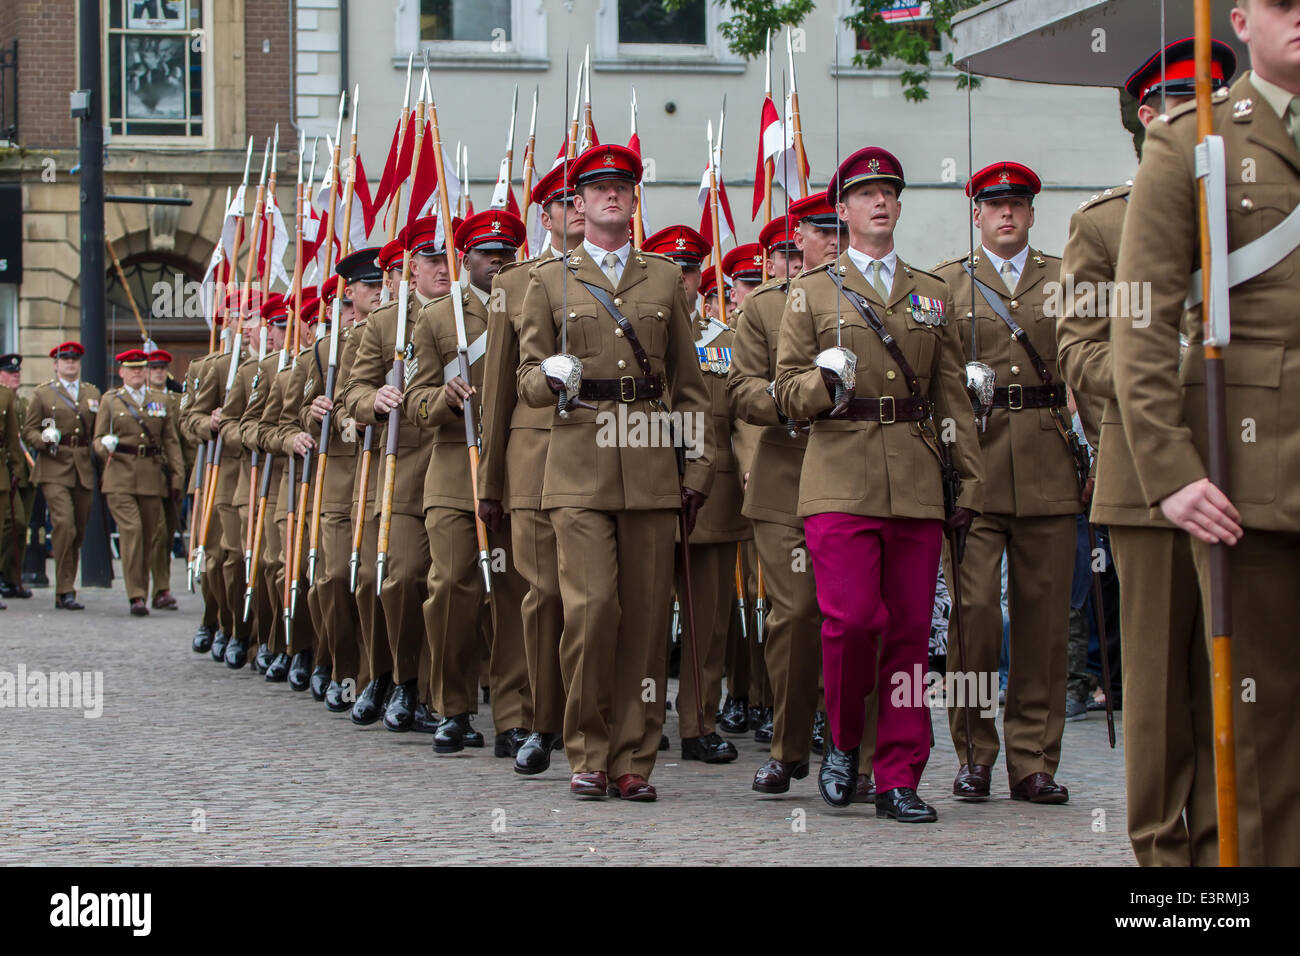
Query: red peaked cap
[[869, 164], [682, 244], [709, 284], [744, 263], [1003, 179], [131, 358], [275, 310], [817, 210], [490, 230], [421, 237], [310, 309], [551, 187], [1179, 77], [778, 235], [159, 357], [67, 350], [390, 256], [609, 161]]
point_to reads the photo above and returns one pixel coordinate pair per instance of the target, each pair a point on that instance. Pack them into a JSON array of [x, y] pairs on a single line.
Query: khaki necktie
[[1008, 277], [1293, 120], [877, 282], [610, 267]]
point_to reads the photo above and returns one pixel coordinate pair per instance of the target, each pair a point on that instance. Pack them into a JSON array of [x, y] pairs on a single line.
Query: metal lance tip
[[760, 615], [288, 631], [354, 564], [248, 602], [677, 613], [311, 564], [248, 564], [293, 600], [381, 565], [485, 562], [744, 628]]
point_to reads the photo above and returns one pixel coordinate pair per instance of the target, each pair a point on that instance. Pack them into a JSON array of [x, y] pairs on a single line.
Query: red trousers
[[875, 586]]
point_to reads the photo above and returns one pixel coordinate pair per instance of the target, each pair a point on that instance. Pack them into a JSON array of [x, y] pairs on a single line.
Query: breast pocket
[[582, 330], [848, 330], [1253, 210], [650, 321]]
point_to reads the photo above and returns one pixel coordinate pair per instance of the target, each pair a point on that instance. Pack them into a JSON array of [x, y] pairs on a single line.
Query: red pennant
[[768, 117]]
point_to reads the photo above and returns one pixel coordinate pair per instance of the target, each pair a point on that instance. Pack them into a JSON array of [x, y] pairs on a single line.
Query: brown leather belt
[[140, 451], [626, 389], [1017, 397], [886, 410], [72, 441]]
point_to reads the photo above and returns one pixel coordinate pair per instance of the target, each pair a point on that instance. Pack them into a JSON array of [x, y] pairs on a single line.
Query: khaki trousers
[[713, 579], [234, 521], [137, 518], [542, 615], [404, 594], [334, 612], [69, 512], [160, 555], [377, 656]]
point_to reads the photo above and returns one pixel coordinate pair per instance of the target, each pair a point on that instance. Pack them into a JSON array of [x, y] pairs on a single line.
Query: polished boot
[[775, 776], [138, 608], [663, 741], [588, 784], [300, 670], [262, 660], [236, 654], [11, 591], [865, 790], [763, 730], [451, 735], [710, 748], [278, 670], [401, 708], [633, 786], [68, 602], [733, 718], [534, 754], [819, 733], [903, 805], [165, 601], [425, 721], [838, 777], [202, 639], [972, 783], [508, 742], [335, 702], [369, 705], [219, 642], [1040, 788], [320, 679]]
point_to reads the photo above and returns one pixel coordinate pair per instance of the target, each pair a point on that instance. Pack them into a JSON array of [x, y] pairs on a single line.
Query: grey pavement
[[192, 763]]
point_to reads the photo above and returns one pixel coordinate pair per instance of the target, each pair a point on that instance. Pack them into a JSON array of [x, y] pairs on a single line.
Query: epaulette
[[1115, 192], [546, 263], [657, 255], [252, 358], [909, 270], [517, 264], [1178, 112], [950, 262], [776, 283]]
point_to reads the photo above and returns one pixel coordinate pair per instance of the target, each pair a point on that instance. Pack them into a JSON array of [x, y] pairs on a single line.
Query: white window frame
[[713, 56], [848, 48], [208, 138], [526, 49]]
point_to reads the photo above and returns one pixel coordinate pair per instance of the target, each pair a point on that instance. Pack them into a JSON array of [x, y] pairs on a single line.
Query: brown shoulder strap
[[604, 299]]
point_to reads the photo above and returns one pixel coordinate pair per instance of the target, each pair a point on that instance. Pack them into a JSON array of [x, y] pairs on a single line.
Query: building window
[[906, 15], [472, 34], [480, 21], [648, 21], [154, 68]]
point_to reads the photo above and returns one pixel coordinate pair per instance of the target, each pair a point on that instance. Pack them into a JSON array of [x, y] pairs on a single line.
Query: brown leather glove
[[959, 523], [692, 502], [490, 512]]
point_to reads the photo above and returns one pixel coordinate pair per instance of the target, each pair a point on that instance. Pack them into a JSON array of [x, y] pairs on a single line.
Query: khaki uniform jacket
[[191, 424], [720, 520], [277, 425], [306, 385], [582, 469], [1028, 471], [11, 452], [1084, 351], [249, 390], [516, 435], [369, 371], [70, 466], [866, 468], [211, 395], [773, 490], [133, 473], [1164, 406], [447, 480], [347, 357]]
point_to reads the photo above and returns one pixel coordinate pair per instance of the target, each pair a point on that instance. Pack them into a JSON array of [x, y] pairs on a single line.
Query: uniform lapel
[[985, 272], [634, 273], [904, 283], [585, 270], [853, 279], [1033, 273], [1264, 127]]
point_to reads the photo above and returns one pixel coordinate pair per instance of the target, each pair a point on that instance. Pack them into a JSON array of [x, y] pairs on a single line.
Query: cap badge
[[496, 225], [874, 165], [681, 243], [1004, 178], [609, 159]]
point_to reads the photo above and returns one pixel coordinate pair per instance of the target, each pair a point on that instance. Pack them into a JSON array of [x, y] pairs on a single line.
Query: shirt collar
[[1017, 261], [863, 262], [598, 254], [70, 386], [1273, 94], [482, 296]]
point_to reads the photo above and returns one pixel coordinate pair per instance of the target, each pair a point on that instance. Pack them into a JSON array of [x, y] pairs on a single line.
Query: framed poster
[[155, 15], [155, 77]]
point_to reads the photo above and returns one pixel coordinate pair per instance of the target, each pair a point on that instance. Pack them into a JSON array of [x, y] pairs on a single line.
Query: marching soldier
[[1031, 496], [709, 295], [368, 397], [211, 621], [743, 265], [333, 609], [160, 558], [59, 426], [1168, 733], [436, 396], [1163, 406], [139, 447], [515, 439], [719, 525], [871, 487], [613, 505], [11, 461], [13, 544]]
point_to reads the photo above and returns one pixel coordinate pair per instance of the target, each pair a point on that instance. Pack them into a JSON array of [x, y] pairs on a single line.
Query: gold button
[[618, 301], [1246, 203], [660, 314], [970, 315], [891, 375], [889, 312], [619, 333], [622, 364], [1015, 370], [1015, 304], [573, 315]]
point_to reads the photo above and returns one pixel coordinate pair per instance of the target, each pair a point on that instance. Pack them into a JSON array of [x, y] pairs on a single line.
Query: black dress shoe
[[763, 730], [733, 718], [219, 642], [838, 777], [369, 705], [508, 742], [819, 733], [710, 748], [334, 700], [972, 783], [202, 639], [401, 708], [236, 654], [278, 670], [775, 776], [534, 754], [903, 805], [300, 670], [754, 717], [450, 735], [262, 659], [68, 602], [663, 741], [425, 721], [12, 591], [320, 679]]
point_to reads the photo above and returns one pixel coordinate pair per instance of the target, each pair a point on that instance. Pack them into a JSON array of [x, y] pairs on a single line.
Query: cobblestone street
[[193, 763]]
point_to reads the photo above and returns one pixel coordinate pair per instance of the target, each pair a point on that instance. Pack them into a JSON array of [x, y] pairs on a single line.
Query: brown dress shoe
[[775, 775], [1040, 788], [588, 784], [633, 786], [164, 601], [138, 608], [865, 791], [972, 783]]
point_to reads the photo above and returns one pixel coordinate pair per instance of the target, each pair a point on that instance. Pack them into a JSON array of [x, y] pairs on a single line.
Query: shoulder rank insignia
[[714, 360], [411, 364], [927, 311]]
